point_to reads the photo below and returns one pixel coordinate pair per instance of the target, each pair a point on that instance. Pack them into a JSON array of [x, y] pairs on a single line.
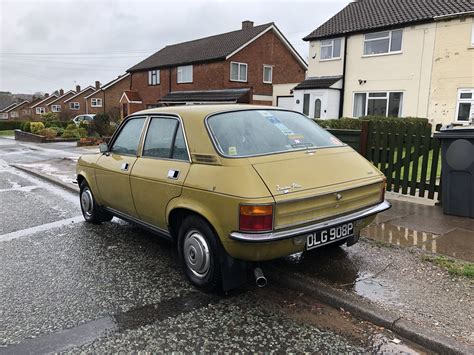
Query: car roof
[[186, 111]]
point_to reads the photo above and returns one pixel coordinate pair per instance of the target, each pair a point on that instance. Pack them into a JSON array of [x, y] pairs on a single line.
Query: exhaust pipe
[[260, 279]]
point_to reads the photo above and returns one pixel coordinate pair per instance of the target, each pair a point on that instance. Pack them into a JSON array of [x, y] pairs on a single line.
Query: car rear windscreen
[[259, 132]]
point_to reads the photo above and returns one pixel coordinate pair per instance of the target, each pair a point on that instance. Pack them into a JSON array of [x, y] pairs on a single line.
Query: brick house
[[4, 113], [15, 112], [39, 108], [57, 105], [106, 99], [76, 104], [239, 66]]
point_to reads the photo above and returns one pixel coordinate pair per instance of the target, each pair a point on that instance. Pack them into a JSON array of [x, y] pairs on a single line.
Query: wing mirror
[[103, 148]]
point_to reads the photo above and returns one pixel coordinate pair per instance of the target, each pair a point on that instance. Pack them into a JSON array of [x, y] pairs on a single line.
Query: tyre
[[91, 211], [198, 250]]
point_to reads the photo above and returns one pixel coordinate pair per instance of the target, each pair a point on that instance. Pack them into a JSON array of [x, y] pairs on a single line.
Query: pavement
[[383, 279]]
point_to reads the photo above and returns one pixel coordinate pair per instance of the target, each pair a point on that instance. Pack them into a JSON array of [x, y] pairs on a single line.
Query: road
[[69, 285]]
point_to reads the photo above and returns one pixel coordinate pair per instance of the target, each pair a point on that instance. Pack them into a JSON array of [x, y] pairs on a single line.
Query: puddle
[[458, 243], [384, 345], [374, 288]]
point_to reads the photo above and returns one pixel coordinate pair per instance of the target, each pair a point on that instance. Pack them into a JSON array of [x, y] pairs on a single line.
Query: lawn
[[454, 267], [8, 132]]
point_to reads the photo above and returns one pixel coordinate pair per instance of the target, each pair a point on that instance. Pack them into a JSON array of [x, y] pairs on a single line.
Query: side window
[[160, 138], [129, 137], [179, 149]]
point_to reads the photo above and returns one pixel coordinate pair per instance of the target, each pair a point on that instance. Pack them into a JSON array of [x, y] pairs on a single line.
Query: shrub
[[101, 125], [71, 134], [25, 127], [60, 130], [71, 127], [47, 132], [36, 126], [356, 123], [49, 117], [9, 125]]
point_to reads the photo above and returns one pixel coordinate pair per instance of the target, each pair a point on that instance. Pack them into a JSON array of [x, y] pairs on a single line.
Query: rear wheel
[[91, 211], [198, 251]]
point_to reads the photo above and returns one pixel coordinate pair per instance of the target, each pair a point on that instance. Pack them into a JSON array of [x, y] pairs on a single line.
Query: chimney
[[61, 92], [46, 95], [247, 24], [78, 88], [97, 85]]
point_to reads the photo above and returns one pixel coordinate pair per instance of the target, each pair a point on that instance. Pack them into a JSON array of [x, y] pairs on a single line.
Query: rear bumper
[[295, 232]]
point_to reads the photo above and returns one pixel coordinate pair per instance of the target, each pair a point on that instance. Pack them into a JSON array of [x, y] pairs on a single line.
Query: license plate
[[329, 235]]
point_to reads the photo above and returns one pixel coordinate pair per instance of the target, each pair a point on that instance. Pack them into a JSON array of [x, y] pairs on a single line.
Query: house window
[[317, 108], [74, 105], [465, 105], [267, 74], [238, 71], [306, 98], [331, 49], [185, 74], [153, 77], [56, 108], [383, 42], [40, 110], [96, 102], [386, 104], [14, 114], [4, 116]]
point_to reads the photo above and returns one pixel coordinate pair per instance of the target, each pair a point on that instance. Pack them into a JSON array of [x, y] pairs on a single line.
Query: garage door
[[287, 102]]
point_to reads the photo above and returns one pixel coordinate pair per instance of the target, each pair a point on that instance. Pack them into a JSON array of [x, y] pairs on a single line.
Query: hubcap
[[196, 254], [87, 203]]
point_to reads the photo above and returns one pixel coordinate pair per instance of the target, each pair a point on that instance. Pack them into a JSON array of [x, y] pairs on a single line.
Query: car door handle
[[124, 167]]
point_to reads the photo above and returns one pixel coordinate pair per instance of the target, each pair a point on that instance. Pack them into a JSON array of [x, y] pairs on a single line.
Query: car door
[[159, 173], [114, 167]]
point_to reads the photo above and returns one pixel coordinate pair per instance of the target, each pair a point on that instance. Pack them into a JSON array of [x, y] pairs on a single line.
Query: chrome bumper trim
[[294, 232]]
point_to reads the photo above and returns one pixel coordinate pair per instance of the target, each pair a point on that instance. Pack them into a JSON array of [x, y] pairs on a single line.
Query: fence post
[[364, 138]]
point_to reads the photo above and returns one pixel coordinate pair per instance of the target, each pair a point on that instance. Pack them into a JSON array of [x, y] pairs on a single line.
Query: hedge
[[356, 123], [9, 125]]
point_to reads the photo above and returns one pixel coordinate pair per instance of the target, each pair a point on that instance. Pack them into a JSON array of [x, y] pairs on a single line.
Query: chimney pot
[[247, 24], [78, 88], [46, 95], [61, 92], [97, 85]]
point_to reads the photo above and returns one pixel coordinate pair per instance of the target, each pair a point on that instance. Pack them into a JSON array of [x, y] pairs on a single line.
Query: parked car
[[232, 185], [80, 118]]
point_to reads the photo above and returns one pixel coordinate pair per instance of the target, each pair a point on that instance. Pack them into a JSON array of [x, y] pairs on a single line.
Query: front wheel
[[91, 211], [198, 251]]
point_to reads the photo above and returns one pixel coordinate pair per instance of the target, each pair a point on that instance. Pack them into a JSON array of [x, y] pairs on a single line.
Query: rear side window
[[165, 140], [129, 137], [258, 132]]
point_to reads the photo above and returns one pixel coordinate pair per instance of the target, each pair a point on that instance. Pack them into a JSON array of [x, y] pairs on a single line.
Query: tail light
[[383, 188], [256, 218]]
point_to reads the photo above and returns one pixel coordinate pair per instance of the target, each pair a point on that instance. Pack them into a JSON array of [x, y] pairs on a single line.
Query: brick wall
[[67, 113], [110, 98]]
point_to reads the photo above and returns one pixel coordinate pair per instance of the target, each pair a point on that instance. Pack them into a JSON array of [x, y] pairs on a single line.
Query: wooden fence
[[408, 155]]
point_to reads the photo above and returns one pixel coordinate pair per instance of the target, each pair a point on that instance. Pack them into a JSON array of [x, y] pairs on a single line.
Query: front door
[[159, 173], [113, 170]]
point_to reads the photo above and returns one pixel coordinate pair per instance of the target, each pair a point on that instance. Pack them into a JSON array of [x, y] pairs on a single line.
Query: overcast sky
[[48, 45]]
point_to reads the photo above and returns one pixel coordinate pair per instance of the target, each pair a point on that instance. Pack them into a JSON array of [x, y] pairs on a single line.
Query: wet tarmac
[[67, 285], [426, 227]]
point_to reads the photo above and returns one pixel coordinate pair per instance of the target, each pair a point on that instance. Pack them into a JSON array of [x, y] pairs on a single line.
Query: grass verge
[[8, 132], [454, 267]]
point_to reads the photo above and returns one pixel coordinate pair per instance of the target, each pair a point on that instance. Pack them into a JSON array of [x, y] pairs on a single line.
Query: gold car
[[232, 185]]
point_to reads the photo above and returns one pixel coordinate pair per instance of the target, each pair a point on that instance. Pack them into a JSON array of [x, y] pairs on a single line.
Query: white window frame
[[14, 114], [96, 102], [73, 106], [459, 101], [179, 74], [390, 32], [154, 77], [266, 66], [387, 97], [3, 115], [55, 108], [40, 110], [332, 57], [239, 79]]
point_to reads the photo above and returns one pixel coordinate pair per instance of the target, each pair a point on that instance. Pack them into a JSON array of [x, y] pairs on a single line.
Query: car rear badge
[[289, 188], [338, 197]]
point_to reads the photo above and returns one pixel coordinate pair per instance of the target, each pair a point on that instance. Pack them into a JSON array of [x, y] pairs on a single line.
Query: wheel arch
[[176, 216]]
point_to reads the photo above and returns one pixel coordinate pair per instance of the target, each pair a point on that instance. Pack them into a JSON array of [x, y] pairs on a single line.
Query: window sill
[[330, 60], [268, 82], [153, 84], [239, 81], [96, 106], [381, 54], [471, 47], [184, 82]]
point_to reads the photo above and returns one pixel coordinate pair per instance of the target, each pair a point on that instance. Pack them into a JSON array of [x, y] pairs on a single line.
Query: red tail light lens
[[258, 218]]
